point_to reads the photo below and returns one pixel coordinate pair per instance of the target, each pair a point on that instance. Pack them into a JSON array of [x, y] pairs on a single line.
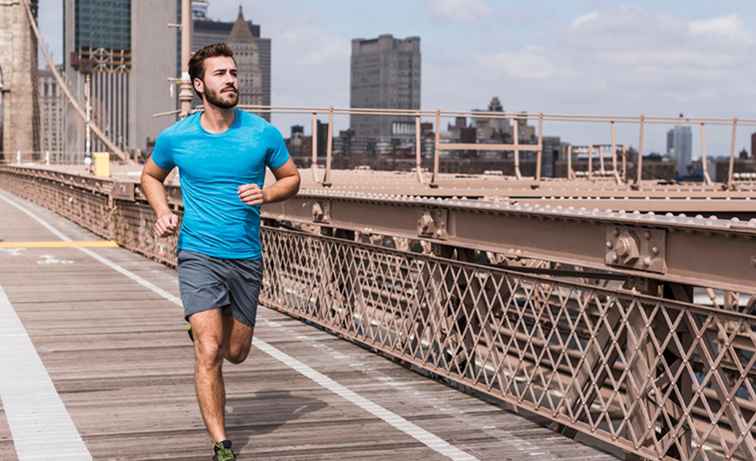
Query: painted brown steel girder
[[705, 252]]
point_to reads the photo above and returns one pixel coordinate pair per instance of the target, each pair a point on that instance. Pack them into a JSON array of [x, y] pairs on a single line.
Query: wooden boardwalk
[[122, 365]]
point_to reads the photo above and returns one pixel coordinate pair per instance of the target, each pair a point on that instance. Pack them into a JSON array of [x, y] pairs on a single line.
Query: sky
[[554, 56]]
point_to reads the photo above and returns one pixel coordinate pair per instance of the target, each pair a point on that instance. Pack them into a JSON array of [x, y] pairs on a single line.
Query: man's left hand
[[251, 194]]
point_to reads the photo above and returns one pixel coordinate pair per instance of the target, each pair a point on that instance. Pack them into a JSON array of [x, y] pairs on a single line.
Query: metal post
[[539, 154], [639, 165], [731, 171], [314, 163], [418, 149], [185, 91], [329, 150], [704, 158], [624, 163], [590, 161], [515, 133], [602, 169], [614, 153], [18, 157], [570, 175], [2, 114], [88, 121], [47, 157], [436, 151]]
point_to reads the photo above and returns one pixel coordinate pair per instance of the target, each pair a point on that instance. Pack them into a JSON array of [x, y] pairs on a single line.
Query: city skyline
[[536, 57]]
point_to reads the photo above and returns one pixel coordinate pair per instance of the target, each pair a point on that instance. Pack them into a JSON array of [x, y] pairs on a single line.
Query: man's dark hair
[[197, 62]]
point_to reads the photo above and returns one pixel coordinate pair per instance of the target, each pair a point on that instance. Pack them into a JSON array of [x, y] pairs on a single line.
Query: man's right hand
[[166, 224]]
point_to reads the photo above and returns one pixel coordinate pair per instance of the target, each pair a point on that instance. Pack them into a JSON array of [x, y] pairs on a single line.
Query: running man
[[221, 155]]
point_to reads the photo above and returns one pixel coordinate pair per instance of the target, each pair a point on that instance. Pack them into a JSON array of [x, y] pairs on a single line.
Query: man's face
[[220, 86]]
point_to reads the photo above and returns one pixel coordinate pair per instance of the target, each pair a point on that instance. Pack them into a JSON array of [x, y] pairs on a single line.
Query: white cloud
[[459, 10], [585, 19], [729, 27], [668, 49], [528, 63]]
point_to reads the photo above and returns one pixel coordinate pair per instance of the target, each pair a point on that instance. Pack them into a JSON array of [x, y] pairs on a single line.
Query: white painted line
[[434, 442], [40, 426], [430, 440]]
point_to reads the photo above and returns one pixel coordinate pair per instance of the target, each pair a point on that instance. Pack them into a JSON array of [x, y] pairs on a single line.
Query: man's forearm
[[282, 189], [154, 190]]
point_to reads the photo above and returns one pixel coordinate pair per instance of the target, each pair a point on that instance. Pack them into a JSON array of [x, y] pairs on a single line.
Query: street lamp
[[86, 66], [3, 90]]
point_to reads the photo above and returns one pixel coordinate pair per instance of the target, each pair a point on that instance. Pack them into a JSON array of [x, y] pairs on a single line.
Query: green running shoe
[[223, 451], [189, 331]]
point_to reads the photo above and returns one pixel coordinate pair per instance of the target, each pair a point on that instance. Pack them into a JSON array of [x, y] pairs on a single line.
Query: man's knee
[[237, 354], [209, 352]]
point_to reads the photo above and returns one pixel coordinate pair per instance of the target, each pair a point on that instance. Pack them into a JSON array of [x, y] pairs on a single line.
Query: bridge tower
[[19, 122]]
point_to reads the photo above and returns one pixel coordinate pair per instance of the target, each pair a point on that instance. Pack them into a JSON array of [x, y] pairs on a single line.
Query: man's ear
[[199, 85]]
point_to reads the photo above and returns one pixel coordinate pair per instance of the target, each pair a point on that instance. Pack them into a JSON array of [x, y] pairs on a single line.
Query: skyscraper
[[50, 112], [243, 43], [153, 68], [97, 41], [385, 73], [252, 52], [680, 148]]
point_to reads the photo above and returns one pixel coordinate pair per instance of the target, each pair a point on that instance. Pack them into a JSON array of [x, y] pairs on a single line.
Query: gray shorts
[[233, 285]]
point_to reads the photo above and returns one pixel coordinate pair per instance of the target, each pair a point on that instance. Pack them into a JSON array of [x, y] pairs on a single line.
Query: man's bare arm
[[286, 185], [152, 185]]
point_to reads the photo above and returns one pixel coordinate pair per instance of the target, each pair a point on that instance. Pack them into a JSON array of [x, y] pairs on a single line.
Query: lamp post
[[2, 112], [185, 89], [86, 67]]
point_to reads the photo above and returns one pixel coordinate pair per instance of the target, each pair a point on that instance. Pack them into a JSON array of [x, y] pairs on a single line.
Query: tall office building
[[97, 41], [50, 112], [680, 148], [199, 8], [252, 52], [153, 72], [385, 73]]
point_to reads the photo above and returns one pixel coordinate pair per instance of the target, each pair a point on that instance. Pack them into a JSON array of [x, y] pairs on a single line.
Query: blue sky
[[569, 56]]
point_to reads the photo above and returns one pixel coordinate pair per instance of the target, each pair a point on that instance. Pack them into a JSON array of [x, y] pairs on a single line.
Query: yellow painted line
[[62, 244]]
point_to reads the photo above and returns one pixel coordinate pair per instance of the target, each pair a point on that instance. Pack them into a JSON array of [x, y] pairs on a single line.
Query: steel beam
[[703, 252]]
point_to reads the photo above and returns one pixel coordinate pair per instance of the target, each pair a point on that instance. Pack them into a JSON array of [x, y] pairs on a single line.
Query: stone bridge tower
[[19, 122]]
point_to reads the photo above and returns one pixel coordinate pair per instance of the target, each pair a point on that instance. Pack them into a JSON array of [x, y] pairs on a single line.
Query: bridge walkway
[[95, 364]]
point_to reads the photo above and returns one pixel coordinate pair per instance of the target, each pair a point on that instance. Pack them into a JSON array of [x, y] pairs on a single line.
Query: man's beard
[[216, 98]]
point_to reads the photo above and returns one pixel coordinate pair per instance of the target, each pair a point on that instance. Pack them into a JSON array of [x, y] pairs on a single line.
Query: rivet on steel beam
[[609, 245]]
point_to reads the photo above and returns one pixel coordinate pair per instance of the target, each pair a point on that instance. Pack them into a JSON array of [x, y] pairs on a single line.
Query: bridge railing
[[46, 157], [611, 149], [662, 379], [653, 374]]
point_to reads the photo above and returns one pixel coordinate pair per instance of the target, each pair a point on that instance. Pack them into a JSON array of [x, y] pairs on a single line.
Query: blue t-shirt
[[211, 168]]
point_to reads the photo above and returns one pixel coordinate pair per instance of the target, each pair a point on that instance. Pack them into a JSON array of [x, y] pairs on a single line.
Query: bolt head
[[609, 245]]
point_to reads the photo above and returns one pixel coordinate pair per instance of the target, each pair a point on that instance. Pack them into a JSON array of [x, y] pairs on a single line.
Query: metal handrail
[[612, 120]]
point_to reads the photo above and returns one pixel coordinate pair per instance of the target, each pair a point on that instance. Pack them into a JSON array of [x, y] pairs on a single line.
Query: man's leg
[[207, 327], [237, 341]]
